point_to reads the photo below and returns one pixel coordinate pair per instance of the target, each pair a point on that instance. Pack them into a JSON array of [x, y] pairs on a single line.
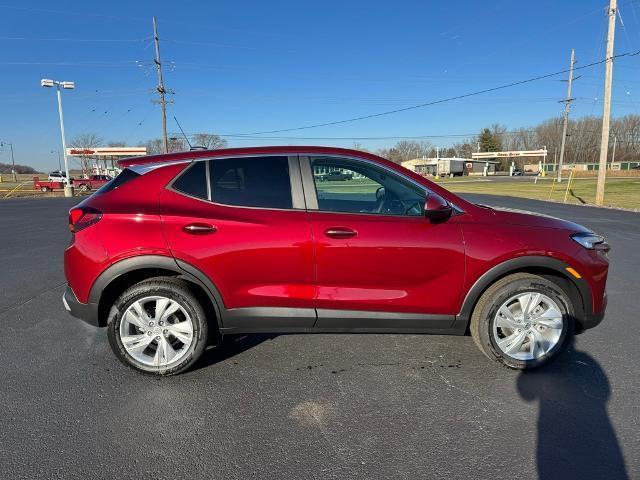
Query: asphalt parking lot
[[309, 406]]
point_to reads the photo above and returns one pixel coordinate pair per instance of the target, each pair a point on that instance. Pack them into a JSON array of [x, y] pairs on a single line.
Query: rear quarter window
[[124, 177], [193, 181]]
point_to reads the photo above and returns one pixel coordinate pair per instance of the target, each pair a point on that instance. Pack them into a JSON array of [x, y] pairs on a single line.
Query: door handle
[[199, 229], [340, 232]]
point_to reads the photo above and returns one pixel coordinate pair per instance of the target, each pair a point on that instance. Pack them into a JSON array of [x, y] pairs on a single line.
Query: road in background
[[308, 406]]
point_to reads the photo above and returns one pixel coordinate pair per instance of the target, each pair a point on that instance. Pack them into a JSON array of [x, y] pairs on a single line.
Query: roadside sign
[[107, 152]]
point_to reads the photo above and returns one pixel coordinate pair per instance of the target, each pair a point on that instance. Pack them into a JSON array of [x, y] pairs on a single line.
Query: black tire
[[485, 311], [44, 189], [174, 289]]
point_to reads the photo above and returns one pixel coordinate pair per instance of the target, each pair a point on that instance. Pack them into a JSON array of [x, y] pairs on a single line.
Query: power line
[[223, 45], [127, 63], [96, 40], [442, 100]]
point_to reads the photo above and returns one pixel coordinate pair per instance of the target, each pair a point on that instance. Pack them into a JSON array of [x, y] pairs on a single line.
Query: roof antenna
[[191, 147]]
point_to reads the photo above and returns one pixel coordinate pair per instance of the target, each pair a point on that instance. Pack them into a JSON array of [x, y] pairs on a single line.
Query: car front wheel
[[158, 327], [523, 321]]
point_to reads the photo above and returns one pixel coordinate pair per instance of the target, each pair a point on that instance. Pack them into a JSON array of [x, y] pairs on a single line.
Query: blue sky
[[252, 66]]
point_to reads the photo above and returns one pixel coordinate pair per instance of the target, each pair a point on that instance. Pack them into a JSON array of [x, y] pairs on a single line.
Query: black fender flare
[[140, 262], [522, 263]]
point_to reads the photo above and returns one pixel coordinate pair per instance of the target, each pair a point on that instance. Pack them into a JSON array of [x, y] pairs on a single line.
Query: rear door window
[[251, 181]]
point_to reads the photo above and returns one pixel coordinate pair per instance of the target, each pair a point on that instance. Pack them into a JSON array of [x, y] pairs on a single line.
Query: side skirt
[[308, 320]]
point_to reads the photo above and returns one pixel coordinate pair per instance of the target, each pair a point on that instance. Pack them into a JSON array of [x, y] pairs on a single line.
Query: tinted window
[[251, 182], [350, 186], [125, 176], [193, 181]]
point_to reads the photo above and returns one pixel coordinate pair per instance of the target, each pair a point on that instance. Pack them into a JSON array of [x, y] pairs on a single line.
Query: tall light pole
[[48, 83], [13, 162]]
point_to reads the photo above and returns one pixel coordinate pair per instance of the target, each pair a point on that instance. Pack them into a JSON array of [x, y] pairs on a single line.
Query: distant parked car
[[57, 176], [335, 177], [517, 172], [637, 167]]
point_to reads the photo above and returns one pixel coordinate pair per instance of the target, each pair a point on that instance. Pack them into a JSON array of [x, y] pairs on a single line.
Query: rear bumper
[[87, 312]]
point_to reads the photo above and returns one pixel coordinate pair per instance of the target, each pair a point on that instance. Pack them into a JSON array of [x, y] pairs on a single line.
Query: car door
[[379, 261], [242, 222]]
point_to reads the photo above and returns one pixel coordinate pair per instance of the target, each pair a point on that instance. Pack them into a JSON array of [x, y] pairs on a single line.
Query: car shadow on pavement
[[231, 346], [575, 436]]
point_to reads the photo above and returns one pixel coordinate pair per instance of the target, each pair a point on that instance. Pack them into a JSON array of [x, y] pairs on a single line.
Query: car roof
[[290, 150], [226, 152]]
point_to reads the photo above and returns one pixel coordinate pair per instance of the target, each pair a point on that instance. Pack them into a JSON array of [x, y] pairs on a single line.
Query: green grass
[[619, 192], [348, 186]]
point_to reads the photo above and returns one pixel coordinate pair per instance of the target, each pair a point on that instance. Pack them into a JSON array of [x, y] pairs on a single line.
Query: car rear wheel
[[158, 327], [523, 321]]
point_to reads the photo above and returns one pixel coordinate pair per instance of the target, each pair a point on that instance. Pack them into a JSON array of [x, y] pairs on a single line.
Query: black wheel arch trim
[[519, 264], [158, 262]]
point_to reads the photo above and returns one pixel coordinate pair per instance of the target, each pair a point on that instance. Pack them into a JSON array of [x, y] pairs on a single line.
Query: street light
[[58, 152], [13, 163], [48, 83]]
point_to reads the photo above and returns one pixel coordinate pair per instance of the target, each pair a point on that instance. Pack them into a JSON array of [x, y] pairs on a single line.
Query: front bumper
[[593, 319], [84, 311]]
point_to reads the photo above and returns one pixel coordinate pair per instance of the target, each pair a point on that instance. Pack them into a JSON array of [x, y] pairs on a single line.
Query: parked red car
[[181, 249]]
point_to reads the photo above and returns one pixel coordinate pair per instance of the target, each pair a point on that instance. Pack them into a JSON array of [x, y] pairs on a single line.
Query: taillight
[[83, 217]]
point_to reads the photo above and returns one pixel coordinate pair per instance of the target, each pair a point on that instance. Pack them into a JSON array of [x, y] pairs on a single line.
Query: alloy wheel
[[156, 331], [527, 326]]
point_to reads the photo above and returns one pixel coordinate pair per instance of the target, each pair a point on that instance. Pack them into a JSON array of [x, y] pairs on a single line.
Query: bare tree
[[358, 146], [466, 148], [87, 141], [407, 150], [210, 141], [155, 146]]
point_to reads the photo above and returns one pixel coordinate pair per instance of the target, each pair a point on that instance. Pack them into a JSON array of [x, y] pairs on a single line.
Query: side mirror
[[437, 209]]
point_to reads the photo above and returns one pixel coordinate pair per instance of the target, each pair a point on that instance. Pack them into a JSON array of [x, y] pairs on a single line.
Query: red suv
[[179, 250]]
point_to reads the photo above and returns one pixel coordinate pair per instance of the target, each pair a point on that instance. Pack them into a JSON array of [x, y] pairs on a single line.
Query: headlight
[[591, 241]]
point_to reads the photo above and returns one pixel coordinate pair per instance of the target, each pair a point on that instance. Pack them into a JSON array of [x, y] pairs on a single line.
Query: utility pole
[[565, 115], [13, 163], [606, 110], [613, 154], [160, 87]]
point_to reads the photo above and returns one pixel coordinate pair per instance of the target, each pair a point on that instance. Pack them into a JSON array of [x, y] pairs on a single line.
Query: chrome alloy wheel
[[156, 331], [527, 326]]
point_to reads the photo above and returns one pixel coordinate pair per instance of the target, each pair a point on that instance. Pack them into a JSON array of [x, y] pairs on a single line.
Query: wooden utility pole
[[565, 116], [160, 88], [606, 110], [613, 154]]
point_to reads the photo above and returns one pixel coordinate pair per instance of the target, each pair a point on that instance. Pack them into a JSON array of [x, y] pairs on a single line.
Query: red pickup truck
[[91, 183], [82, 184]]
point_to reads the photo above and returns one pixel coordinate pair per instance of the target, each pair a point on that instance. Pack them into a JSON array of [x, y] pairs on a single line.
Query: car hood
[[513, 216]]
